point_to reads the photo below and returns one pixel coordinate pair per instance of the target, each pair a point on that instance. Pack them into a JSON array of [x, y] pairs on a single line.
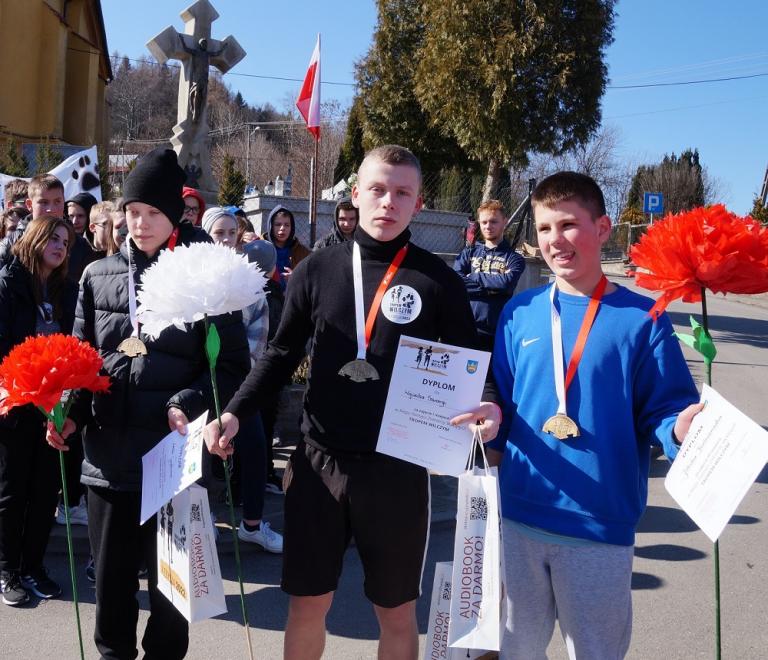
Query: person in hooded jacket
[[345, 221], [35, 298], [149, 393], [290, 251]]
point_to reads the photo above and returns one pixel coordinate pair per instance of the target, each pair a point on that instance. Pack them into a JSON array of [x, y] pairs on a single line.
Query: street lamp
[[248, 152]]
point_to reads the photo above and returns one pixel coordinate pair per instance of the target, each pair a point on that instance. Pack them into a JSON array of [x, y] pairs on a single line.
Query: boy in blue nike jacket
[[576, 454]]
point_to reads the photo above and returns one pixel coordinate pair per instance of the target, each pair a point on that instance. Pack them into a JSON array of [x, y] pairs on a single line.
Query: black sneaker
[[90, 570], [40, 584], [10, 586]]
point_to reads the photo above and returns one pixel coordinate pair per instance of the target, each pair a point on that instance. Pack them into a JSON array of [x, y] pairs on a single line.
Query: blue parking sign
[[653, 203]]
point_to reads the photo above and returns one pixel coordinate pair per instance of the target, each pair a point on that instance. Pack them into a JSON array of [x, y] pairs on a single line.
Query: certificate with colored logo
[[431, 383], [170, 466]]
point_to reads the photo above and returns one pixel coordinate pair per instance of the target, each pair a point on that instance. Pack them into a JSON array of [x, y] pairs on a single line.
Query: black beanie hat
[[157, 180], [86, 200]]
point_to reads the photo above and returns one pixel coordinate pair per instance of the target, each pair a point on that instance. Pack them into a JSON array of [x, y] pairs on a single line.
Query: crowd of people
[[570, 501]]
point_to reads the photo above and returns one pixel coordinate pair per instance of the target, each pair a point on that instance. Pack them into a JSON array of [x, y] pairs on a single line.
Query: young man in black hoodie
[[346, 217], [338, 487]]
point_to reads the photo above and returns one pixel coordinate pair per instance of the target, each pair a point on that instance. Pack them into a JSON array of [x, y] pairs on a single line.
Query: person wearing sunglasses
[[11, 219]]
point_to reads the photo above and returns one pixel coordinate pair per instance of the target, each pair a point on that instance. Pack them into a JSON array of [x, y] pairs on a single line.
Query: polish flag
[[308, 102]]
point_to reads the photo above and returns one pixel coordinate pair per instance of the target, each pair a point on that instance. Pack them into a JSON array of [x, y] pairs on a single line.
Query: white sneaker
[[78, 515], [265, 536]]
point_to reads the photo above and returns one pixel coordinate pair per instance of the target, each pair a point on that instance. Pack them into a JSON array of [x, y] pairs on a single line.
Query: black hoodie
[[335, 236], [340, 415]]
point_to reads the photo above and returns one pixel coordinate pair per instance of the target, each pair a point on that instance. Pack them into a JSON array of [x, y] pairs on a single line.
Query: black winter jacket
[[124, 423], [80, 252], [18, 320]]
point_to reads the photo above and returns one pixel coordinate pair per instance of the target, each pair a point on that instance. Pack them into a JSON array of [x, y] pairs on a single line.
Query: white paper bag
[[436, 647], [477, 595], [188, 572]]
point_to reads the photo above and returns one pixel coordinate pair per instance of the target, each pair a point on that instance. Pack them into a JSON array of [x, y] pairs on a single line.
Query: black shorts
[[381, 502]]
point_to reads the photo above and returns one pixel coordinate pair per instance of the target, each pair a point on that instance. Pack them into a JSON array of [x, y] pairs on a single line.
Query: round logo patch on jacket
[[401, 304]]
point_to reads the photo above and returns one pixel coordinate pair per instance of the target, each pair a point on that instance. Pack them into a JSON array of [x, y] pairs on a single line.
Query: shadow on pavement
[[646, 581], [743, 520], [669, 552], [664, 519], [729, 329]]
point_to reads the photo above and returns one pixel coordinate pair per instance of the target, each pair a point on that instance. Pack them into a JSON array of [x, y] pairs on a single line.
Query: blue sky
[[656, 41]]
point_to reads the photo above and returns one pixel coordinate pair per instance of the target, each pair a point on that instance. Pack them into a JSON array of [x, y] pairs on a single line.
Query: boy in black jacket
[[338, 487], [166, 387]]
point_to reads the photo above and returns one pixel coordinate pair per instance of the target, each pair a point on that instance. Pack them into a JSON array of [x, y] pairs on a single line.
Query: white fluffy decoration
[[185, 284]]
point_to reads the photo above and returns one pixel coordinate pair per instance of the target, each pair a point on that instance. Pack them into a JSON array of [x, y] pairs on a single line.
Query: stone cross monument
[[197, 51]]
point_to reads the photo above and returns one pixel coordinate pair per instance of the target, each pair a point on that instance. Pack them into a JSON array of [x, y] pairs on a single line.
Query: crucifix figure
[[196, 51]]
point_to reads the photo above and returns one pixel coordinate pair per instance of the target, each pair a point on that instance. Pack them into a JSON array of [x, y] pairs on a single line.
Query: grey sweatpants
[[587, 589]]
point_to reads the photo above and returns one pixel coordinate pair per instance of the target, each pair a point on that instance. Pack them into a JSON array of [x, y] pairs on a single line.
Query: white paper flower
[[185, 284]]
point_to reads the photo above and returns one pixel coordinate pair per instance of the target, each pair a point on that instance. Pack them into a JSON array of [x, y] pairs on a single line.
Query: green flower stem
[[65, 496], [57, 417], [716, 556], [212, 345]]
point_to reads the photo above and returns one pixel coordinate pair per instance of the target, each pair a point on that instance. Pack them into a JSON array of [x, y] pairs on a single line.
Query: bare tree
[[599, 158]]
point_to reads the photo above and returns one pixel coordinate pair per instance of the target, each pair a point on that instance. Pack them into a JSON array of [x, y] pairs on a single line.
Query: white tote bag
[[188, 572], [478, 609], [436, 647]]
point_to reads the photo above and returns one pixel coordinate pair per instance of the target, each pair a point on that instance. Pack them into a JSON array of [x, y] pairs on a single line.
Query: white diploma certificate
[[170, 466], [721, 456], [431, 383]]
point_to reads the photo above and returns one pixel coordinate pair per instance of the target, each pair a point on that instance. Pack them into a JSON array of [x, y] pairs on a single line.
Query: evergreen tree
[[47, 157], [12, 160], [505, 78], [391, 112], [103, 169], [232, 184], [352, 151], [681, 179], [759, 211]]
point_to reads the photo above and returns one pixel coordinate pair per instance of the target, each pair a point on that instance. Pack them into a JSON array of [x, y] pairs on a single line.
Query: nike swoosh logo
[[525, 342]]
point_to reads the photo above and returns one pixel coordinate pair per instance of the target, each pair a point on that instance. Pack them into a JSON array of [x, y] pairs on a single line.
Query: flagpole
[[308, 105], [313, 197]]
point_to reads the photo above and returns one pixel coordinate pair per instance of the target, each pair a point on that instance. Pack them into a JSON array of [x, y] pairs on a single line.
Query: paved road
[[672, 581]]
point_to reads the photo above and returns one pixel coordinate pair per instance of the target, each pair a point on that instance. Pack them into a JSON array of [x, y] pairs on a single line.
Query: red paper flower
[[707, 247], [38, 370]]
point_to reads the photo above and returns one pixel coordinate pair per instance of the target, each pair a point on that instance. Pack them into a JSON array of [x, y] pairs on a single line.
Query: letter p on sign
[[653, 203]]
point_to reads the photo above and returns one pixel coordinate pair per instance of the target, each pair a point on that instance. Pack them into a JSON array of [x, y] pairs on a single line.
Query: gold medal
[[561, 426], [132, 347]]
